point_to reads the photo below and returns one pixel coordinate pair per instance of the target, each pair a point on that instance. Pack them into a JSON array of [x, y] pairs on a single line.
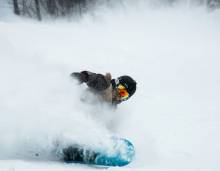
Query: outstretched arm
[[98, 82]]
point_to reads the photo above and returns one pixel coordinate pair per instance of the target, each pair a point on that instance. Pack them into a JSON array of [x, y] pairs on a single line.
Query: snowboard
[[120, 154]]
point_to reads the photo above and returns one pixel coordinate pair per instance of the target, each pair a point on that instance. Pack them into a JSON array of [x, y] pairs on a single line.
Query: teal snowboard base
[[121, 154]]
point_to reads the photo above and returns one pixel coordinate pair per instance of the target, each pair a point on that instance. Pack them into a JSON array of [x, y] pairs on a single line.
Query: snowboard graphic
[[121, 154]]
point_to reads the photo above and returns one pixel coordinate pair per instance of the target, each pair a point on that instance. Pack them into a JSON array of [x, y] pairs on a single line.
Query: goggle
[[123, 93]]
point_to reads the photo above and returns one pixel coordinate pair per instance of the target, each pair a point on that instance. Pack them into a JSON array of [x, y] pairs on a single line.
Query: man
[[110, 90]]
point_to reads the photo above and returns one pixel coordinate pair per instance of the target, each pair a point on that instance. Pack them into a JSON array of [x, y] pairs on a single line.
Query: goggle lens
[[123, 92]]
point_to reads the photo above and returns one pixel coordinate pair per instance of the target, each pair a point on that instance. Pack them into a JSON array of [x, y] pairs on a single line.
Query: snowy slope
[[173, 119]]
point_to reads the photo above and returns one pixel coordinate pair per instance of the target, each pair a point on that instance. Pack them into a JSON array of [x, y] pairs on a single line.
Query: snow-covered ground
[[173, 120]]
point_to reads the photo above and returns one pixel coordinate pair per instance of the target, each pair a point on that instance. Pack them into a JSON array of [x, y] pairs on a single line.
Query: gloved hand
[[81, 76]]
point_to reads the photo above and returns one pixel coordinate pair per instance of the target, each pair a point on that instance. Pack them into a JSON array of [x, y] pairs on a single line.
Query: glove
[[80, 76]]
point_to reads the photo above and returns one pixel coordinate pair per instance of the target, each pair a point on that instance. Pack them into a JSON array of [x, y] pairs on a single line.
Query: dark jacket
[[101, 85]]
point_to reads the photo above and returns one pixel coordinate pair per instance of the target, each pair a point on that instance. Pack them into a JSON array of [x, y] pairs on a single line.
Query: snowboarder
[[110, 90]]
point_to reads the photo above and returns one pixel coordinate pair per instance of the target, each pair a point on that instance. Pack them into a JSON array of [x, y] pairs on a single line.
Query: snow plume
[[41, 109]]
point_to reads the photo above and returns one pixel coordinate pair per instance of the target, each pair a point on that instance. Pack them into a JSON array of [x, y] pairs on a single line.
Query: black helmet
[[128, 83]]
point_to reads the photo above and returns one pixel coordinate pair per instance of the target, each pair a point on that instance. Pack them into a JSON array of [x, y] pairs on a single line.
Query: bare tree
[[51, 7], [38, 10], [16, 7]]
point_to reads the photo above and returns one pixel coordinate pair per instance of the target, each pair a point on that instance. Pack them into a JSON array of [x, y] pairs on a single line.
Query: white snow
[[173, 120]]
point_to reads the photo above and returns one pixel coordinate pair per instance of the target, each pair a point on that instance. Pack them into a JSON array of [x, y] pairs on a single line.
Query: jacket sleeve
[[95, 81]]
